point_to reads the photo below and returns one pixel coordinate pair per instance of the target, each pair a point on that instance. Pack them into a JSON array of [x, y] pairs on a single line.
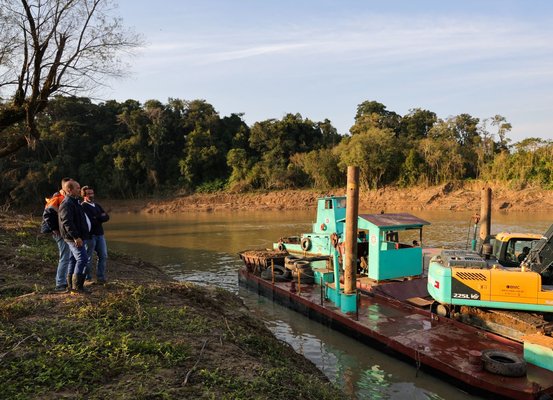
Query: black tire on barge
[[281, 274], [303, 267], [289, 261], [503, 363]]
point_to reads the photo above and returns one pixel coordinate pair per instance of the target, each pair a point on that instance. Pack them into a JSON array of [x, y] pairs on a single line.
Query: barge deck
[[446, 346]]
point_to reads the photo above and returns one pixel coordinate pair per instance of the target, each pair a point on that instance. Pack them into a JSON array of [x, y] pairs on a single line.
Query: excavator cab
[[508, 249]]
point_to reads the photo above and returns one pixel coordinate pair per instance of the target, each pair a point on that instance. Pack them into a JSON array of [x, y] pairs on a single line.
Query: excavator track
[[511, 324]]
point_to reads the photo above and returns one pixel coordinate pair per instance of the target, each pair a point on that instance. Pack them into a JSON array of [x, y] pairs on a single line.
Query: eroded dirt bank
[[451, 196]]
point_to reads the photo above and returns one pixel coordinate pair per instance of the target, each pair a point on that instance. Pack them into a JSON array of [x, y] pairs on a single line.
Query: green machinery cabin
[[391, 245], [385, 241], [331, 211]]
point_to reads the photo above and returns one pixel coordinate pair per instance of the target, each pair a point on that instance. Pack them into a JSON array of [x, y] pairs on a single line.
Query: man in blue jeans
[[75, 230], [97, 242], [50, 224]]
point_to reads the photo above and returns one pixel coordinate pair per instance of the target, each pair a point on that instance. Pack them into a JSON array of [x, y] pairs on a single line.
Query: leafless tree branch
[[50, 47]]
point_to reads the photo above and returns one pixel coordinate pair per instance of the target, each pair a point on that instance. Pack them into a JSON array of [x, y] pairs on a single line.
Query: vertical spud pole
[[352, 206], [485, 212]]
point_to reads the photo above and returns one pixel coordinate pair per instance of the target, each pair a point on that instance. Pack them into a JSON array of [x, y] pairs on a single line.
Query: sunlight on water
[[202, 248]]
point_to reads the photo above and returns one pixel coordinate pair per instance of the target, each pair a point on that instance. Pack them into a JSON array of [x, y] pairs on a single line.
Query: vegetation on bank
[[141, 336], [129, 150]]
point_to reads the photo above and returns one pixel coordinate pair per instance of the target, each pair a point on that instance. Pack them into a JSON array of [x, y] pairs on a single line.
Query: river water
[[202, 248]]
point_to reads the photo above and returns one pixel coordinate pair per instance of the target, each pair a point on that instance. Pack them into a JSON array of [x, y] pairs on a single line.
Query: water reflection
[[203, 247], [361, 371]]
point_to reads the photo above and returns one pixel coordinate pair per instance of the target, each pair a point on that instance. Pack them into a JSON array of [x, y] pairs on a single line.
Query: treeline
[[130, 149]]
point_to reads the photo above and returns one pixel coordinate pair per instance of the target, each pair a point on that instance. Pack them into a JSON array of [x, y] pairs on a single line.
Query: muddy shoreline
[[451, 196]]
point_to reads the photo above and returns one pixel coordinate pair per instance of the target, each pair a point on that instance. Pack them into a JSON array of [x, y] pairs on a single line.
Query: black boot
[[69, 283], [78, 284]]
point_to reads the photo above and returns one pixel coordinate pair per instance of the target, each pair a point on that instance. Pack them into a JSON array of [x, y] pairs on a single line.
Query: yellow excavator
[[506, 276]]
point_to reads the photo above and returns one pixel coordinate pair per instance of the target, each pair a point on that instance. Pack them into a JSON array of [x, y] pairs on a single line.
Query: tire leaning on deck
[[281, 274], [307, 273], [289, 261], [503, 363]]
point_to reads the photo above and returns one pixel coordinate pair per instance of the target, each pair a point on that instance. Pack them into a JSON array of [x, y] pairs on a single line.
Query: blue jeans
[[78, 260], [97, 244], [63, 263]]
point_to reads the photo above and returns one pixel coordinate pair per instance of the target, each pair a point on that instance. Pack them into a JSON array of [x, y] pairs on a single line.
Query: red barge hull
[[445, 346]]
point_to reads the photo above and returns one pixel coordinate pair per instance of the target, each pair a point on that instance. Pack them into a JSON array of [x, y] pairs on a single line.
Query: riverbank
[[451, 196], [140, 336]]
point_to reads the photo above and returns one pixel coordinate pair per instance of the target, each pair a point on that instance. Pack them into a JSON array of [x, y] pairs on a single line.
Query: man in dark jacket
[[75, 230], [50, 224], [97, 242]]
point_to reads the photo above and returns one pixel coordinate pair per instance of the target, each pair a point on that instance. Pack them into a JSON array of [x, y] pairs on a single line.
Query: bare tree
[[52, 47]]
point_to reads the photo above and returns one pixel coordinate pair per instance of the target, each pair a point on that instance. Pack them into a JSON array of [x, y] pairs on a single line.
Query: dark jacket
[[50, 215], [97, 217], [72, 220]]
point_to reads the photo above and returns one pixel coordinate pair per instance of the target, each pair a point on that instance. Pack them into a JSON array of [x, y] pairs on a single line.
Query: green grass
[[129, 340], [93, 345], [274, 383]]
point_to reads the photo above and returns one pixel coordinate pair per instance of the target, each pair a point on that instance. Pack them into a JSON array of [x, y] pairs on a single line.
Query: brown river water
[[202, 248]]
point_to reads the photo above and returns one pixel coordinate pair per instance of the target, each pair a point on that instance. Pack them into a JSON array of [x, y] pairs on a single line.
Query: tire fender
[[281, 273], [503, 363], [305, 244]]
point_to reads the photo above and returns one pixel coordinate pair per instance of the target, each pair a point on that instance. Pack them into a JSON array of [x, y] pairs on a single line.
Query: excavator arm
[[540, 257]]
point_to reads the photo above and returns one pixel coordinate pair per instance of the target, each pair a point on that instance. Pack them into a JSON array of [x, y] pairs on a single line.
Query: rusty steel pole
[[485, 212], [352, 210]]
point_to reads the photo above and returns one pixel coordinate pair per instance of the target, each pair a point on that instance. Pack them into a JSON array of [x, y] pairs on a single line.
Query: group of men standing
[[76, 226]]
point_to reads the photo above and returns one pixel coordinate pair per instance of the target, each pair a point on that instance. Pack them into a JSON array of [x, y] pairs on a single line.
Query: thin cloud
[[443, 62], [379, 43]]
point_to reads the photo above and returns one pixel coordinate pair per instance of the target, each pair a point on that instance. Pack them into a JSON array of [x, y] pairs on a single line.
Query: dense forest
[[130, 149]]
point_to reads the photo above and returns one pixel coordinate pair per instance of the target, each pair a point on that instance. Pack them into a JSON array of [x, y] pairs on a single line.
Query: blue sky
[[322, 58]]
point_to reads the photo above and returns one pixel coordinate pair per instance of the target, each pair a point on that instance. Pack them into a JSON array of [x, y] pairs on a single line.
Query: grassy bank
[[141, 336]]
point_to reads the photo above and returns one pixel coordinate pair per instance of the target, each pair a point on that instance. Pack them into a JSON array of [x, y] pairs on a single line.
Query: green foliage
[[412, 169], [12, 310], [95, 344], [130, 149], [208, 138], [531, 163], [443, 160], [372, 114], [276, 141], [372, 151], [417, 124], [259, 386], [241, 164], [67, 360], [321, 166], [216, 185]]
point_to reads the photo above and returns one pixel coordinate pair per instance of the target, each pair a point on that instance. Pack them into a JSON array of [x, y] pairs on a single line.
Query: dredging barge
[[391, 308]]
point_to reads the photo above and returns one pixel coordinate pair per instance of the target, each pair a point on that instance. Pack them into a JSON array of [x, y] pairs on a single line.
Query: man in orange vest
[[50, 224]]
